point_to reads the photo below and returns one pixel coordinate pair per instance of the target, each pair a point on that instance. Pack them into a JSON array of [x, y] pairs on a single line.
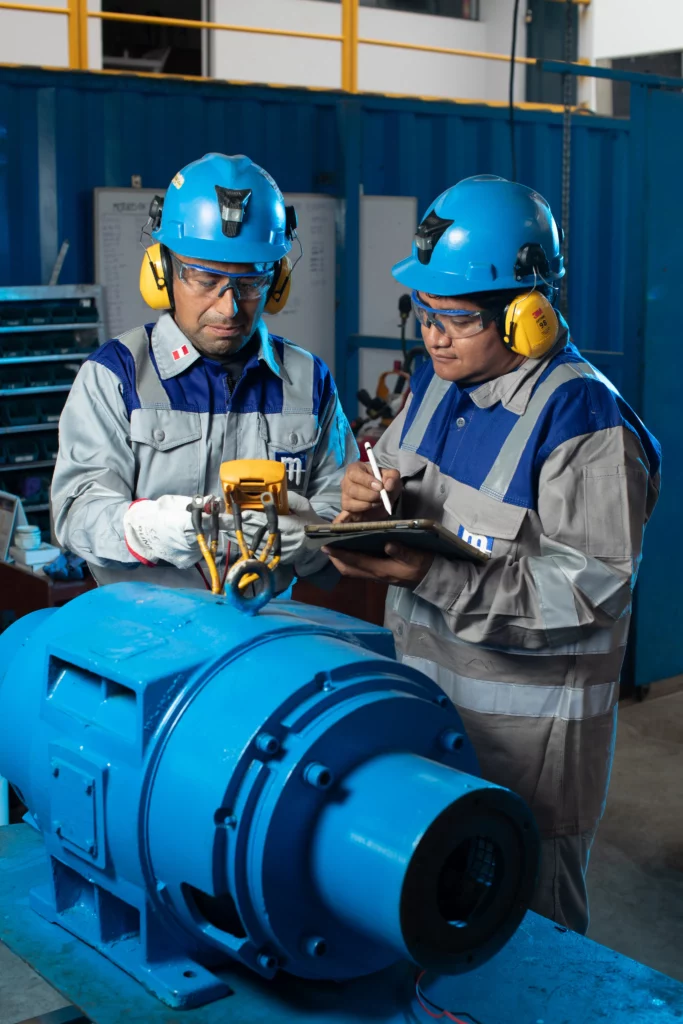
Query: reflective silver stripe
[[555, 595], [297, 384], [149, 388], [422, 615], [428, 406], [503, 469], [603, 588], [488, 697]]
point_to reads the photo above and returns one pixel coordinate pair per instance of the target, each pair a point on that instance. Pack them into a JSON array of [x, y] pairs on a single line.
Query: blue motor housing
[[275, 789]]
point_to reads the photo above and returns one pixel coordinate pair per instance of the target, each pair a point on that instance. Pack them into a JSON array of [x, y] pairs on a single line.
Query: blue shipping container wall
[[64, 134]]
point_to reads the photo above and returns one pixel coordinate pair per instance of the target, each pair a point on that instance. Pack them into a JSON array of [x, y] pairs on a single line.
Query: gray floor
[[636, 872], [635, 878]]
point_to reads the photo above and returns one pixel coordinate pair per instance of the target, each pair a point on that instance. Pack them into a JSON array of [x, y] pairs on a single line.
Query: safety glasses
[[204, 281], [454, 323]]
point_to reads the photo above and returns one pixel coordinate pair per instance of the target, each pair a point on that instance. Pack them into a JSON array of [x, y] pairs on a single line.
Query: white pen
[[375, 469]]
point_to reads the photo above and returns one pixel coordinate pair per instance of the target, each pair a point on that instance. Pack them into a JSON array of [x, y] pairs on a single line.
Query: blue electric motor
[[275, 789]]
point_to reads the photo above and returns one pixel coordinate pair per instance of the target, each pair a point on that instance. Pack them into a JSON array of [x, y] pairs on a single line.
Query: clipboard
[[370, 538], [11, 515]]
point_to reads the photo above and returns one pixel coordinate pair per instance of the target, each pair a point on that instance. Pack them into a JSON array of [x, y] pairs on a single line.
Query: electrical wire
[[227, 567], [198, 567], [210, 563], [438, 1012], [511, 97]]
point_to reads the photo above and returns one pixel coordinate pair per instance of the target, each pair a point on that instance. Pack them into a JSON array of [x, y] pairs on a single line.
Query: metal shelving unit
[[18, 467], [64, 324], [28, 427], [39, 325], [20, 360], [38, 390]]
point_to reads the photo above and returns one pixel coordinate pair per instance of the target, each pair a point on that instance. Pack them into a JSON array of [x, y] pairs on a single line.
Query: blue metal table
[[544, 976]]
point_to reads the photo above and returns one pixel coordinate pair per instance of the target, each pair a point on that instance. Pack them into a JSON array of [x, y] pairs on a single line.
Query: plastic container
[[87, 312], [78, 343], [22, 450], [21, 412], [28, 538], [50, 409], [13, 345], [12, 315], [39, 313], [40, 375], [49, 446], [64, 311], [63, 374], [39, 345], [12, 377]]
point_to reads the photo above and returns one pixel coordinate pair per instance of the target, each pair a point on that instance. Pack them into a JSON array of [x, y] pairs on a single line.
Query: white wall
[[31, 38], [497, 16], [43, 39], [626, 28], [311, 63], [253, 58]]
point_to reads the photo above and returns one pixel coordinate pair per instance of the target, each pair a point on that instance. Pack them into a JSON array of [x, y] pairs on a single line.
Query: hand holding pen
[[378, 476]]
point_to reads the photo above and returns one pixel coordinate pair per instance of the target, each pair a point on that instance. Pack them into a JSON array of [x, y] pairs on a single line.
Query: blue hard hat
[[484, 234], [226, 209]]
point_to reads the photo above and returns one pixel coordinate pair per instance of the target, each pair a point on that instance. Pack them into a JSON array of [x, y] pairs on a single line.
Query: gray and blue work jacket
[[548, 471], [148, 415]]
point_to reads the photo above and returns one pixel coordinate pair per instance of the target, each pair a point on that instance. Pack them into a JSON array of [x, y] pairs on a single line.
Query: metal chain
[[567, 91]]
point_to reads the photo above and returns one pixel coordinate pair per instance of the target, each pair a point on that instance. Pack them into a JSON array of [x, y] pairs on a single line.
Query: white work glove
[[293, 544], [161, 531]]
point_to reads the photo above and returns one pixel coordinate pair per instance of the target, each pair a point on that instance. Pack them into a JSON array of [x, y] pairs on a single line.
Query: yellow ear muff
[[154, 280], [282, 283], [531, 325]]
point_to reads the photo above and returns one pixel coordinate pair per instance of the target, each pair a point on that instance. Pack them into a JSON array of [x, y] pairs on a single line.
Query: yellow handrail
[[152, 19], [421, 47], [78, 15], [37, 8]]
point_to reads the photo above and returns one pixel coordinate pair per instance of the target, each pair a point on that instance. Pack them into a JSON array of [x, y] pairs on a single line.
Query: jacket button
[[460, 422], [442, 489], [293, 438], [159, 435]]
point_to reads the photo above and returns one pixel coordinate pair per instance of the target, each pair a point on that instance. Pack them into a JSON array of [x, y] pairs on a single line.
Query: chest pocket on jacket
[[481, 521], [292, 438], [168, 450]]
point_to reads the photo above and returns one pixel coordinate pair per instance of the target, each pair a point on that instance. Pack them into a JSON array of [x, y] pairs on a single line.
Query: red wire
[[434, 1016], [201, 573]]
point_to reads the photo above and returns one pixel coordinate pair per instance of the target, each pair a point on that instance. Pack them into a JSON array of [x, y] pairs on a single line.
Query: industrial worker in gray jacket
[[154, 413], [519, 446]]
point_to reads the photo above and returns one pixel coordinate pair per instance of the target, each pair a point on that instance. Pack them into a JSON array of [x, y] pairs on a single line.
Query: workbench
[[23, 591], [545, 975]]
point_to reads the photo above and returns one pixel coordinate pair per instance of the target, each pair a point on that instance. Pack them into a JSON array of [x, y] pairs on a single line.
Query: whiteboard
[[120, 215], [387, 229], [309, 317]]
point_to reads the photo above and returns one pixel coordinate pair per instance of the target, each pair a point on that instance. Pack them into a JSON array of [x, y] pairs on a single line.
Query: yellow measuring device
[[245, 480], [258, 485]]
